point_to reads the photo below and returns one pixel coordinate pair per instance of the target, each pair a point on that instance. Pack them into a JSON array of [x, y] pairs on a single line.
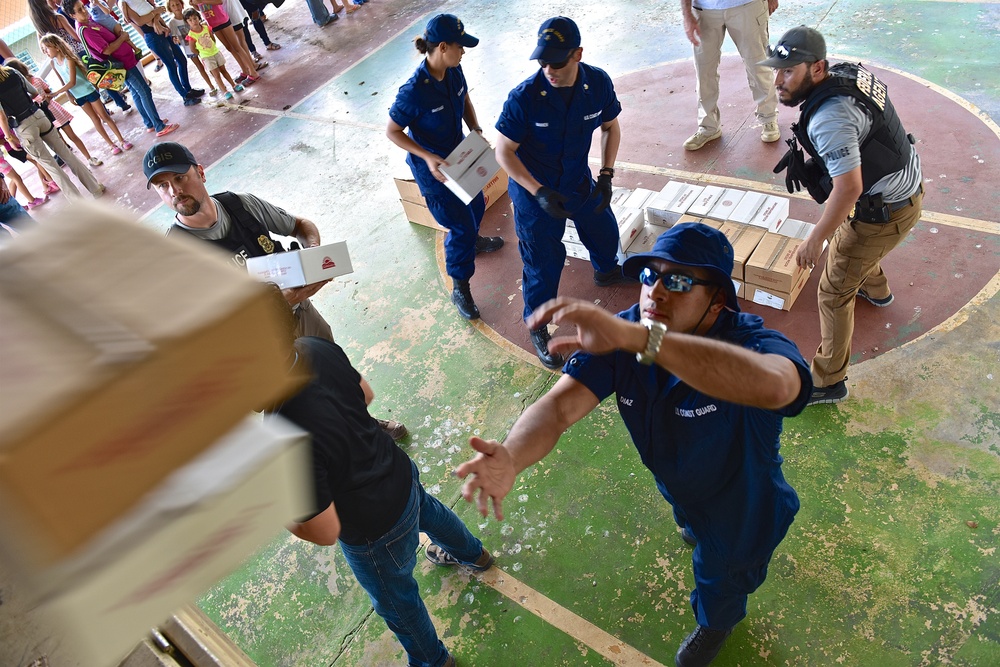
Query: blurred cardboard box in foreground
[[126, 354], [193, 529]]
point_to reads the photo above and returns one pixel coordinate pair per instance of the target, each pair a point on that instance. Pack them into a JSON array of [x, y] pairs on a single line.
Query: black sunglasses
[[545, 63], [672, 282], [784, 52]]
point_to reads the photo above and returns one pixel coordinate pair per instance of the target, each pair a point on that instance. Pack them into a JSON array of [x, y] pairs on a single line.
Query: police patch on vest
[[541, 124], [592, 116], [440, 108], [266, 244]]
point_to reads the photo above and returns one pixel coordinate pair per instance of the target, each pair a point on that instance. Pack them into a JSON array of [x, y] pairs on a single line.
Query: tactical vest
[[248, 237], [14, 97], [887, 148]]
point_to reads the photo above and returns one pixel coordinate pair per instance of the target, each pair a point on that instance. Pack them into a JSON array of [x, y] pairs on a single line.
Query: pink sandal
[[127, 145], [116, 150], [52, 187]]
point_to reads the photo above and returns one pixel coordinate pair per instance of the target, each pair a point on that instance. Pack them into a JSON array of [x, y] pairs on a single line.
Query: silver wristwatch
[[656, 332]]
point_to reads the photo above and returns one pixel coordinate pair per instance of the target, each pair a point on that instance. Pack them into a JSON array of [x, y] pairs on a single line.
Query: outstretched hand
[[492, 475], [597, 330]]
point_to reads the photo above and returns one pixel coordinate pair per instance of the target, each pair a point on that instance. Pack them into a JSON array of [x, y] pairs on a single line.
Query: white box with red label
[[296, 268]]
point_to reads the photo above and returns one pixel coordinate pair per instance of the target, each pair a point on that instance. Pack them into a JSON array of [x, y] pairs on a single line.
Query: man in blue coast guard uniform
[[703, 390], [546, 130]]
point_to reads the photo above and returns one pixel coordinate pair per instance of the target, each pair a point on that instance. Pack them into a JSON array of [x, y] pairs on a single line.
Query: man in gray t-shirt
[[241, 224], [866, 167]]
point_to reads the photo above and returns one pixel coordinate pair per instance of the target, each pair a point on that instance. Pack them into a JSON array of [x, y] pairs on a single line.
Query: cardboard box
[[796, 229], [630, 223], [577, 251], [779, 300], [772, 265], [470, 167], [409, 190], [644, 240], [415, 207], [296, 268], [685, 198], [688, 218], [706, 201], [772, 214], [418, 213], [740, 288], [749, 204], [727, 204], [571, 235], [126, 354], [198, 526], [638, 198], [744, 239], [657, 206]]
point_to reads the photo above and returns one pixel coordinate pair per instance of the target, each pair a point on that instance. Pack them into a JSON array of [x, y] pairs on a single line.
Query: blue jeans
[[320, 14], [14, 216], [177, 68], [384, 568], [142, 97]]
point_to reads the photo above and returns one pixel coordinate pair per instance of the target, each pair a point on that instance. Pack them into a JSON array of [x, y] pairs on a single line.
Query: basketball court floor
[[893, 558]]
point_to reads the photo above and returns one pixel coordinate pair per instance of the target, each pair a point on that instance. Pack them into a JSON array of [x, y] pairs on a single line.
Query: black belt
[[27, 114], [895, 206]]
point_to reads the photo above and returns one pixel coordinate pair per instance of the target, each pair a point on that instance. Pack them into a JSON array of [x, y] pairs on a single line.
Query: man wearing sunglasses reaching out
[[864, 166], [703, 390], [546, 129]]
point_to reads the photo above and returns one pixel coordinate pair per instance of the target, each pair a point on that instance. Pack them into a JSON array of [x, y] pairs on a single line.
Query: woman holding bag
[[102, 44], [82, 92]]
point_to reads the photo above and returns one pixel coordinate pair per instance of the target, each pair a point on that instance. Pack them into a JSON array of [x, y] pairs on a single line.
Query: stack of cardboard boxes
[[764, 238], [131, 478], [472, 169]]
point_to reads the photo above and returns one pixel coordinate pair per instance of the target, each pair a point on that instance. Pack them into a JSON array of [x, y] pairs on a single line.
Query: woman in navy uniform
[[433, 104]]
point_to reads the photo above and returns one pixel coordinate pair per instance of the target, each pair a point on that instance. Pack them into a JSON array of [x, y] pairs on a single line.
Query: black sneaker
[[835, 393], [461, 296], [878, 303], [439, 556], [700, 647], [195, 93], [540, 339], [488, 243], [609, 278]]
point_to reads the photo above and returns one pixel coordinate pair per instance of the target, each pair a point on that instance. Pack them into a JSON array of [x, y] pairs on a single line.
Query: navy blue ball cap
[[557, 39], [167, 156], [448, 28], [695, 245]]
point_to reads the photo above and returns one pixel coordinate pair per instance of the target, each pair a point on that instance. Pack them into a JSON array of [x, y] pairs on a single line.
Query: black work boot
[[488, 243], [612, 277], [540, 339], [461, 296], [700, 647]]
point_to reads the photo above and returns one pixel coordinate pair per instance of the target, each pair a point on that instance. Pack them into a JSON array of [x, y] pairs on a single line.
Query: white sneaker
[[95, 162], [770, 133], [700, 138]]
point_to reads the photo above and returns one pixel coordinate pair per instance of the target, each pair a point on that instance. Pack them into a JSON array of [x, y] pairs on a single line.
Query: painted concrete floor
[[893, 558]]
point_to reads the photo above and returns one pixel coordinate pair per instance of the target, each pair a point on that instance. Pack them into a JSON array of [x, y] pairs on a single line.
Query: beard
[[798, 95], [185, 205]]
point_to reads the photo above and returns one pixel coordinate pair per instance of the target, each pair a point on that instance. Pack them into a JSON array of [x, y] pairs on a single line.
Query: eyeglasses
[[784, 52], [545, 63], [672, 282]]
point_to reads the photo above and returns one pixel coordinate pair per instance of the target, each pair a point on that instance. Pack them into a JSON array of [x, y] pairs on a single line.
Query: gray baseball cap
[[799, 45]]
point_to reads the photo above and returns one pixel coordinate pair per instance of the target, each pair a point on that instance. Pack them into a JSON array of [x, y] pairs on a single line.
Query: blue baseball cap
[[696, 245], [557, 39], [449, 29]]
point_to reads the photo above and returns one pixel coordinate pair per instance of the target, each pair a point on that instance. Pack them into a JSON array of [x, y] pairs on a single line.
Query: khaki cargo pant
[[852, 263]]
